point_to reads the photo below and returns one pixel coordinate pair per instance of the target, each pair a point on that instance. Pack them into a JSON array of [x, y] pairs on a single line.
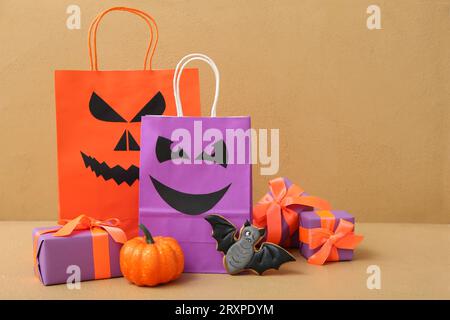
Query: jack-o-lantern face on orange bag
[[98, 117], [102, 111]]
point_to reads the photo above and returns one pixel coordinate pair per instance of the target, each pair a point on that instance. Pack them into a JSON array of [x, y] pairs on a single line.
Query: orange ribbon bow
[[329, 241], [274, 206], [83, 222], [100, 240]]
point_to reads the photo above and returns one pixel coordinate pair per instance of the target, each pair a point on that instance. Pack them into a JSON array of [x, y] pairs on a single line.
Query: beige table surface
[[414, 260]]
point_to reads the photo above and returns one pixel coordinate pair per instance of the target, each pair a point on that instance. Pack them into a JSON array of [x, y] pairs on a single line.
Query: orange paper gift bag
[[98, 115]]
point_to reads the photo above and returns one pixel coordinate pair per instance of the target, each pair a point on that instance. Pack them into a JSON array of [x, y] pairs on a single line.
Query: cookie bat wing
[[269, 256], [223, 231]]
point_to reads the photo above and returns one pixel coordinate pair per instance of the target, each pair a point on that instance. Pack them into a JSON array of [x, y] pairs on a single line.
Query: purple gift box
[[57, 258], [320, 219]]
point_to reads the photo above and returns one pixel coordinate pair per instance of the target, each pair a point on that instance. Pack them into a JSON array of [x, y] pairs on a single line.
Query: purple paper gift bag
[[191, 167]]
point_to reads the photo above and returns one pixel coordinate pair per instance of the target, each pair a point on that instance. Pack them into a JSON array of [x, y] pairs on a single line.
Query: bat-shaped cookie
[[240, 252]]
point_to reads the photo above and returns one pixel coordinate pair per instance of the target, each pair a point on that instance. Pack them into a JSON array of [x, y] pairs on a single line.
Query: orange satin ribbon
[[83, 222], [100, 240], [270, 210], [328, 240]]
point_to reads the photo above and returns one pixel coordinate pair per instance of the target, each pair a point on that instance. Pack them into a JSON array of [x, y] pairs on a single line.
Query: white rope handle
[[177, 75]]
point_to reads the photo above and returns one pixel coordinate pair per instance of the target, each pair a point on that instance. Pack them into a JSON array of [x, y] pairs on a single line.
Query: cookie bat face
[[191, 180], [250, 235]]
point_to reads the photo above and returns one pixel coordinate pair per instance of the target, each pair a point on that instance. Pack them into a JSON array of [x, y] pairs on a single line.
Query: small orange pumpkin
[[148, 261]]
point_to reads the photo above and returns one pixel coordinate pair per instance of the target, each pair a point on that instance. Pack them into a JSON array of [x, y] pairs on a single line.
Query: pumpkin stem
[[148, 236]]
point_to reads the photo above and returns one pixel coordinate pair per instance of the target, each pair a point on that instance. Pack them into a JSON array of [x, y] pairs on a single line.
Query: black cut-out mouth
[[117, 173], [192, 204]]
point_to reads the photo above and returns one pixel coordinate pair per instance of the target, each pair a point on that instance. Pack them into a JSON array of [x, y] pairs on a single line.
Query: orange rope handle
[[92, 35]]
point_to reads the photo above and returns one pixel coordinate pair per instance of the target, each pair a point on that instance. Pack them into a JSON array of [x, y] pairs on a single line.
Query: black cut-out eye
[[102, 111], [156, 106], [165, 153], [219, 154]]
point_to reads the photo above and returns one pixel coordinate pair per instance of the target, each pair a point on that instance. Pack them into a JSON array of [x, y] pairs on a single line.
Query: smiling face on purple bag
[[189, 203], [192, 175]]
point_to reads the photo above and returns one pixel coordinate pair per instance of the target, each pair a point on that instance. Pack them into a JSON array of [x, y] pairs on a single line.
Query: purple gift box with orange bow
[[327, 236], [278, 211], [84, 245]]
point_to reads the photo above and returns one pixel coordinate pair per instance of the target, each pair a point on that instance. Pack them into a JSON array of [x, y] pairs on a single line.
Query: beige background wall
[[363, 115]]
